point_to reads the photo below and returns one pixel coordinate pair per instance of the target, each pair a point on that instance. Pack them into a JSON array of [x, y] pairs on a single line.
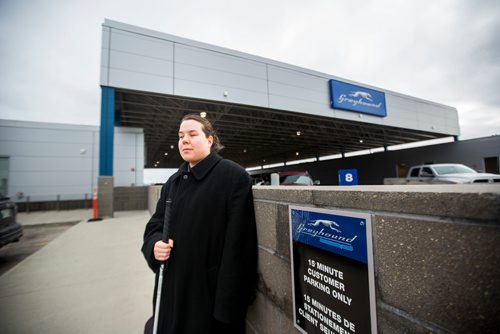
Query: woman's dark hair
[[207, 128]]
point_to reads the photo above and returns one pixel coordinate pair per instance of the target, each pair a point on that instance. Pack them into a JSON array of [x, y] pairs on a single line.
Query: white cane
[[163, 267]]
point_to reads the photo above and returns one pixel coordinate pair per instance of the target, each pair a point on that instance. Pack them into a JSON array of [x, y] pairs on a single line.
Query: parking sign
[[348, 177], [333, 280]]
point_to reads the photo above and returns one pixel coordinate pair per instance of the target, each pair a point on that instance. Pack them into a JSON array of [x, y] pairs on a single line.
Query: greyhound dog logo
[[363, 95], [326, 223]]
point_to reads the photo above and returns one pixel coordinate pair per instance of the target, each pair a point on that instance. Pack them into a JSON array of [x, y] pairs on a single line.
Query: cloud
[[486, 120]]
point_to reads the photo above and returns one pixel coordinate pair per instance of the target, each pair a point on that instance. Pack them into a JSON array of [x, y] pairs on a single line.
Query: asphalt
[[53, 217], [90, 279]]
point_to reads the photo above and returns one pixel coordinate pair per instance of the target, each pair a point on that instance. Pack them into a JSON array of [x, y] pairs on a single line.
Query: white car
[[449, 173]]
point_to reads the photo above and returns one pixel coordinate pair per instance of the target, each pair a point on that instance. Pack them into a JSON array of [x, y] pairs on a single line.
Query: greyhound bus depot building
[[267, 113]]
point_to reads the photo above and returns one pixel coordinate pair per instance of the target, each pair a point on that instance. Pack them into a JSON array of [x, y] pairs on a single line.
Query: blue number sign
[[348, 177]]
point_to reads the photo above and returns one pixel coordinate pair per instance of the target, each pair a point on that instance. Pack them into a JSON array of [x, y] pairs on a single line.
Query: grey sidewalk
[[91, 279]]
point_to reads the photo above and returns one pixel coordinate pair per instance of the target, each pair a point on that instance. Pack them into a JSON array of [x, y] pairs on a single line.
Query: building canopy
[[252, 136]]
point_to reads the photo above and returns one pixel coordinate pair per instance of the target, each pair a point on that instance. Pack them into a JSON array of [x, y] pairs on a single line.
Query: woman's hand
[[162, 250]]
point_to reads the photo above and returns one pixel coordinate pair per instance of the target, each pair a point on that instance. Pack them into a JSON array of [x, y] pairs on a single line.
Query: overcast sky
[[443, 51]]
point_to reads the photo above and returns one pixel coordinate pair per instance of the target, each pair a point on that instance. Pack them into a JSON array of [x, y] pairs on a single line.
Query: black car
[[10, 230]]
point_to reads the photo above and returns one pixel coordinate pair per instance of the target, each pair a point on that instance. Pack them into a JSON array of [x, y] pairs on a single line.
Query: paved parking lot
[[34, 238]]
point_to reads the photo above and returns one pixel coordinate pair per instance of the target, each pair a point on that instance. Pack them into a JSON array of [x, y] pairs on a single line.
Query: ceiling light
[[299, 133], [296, 153], [171, 147], [244, 150], [203, 114], [166, 153], [361, 141]]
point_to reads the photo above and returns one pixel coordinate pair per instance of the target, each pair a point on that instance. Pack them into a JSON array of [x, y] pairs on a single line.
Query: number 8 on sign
[[348, 177]]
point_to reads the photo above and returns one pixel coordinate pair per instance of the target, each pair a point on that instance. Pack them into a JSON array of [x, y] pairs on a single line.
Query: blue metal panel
[[107, 131], [356, 98]]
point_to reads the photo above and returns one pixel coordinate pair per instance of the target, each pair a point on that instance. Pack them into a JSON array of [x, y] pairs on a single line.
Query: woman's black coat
[[211, 272]]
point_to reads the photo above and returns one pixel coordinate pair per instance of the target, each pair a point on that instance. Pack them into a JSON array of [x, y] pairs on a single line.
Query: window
[[453, 169], [426, 172], [414, 172]]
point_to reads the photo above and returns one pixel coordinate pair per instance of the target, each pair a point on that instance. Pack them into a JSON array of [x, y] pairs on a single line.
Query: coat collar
[[201, 169]]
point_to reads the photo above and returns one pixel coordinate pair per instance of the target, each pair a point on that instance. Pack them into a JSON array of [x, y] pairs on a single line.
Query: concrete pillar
[[275, 179], [105, 196]]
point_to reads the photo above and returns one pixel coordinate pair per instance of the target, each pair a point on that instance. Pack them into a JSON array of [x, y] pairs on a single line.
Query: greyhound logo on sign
[[327, 223], [364, 95]]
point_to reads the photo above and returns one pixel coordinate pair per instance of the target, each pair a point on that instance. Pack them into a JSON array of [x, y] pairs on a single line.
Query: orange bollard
[[94, 203], [94, 207]]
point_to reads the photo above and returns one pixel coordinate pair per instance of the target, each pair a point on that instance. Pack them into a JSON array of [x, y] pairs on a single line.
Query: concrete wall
[[436, 255], [130, 198]]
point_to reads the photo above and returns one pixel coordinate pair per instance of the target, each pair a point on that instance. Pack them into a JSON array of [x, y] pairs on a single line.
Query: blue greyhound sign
[[356, 98]]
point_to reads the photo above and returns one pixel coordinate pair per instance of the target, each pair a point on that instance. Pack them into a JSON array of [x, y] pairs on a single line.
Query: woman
[[212, 251]]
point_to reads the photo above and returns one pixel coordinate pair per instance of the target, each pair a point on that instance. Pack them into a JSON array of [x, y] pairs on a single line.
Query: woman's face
[[194, 145]]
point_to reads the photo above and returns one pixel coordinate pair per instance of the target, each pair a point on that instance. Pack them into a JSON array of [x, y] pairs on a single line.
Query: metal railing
[[57, 202]]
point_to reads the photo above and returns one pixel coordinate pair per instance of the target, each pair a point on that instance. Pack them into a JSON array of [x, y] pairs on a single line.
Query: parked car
[[444, 173], [10, 230], [296, 179], [285, 179]]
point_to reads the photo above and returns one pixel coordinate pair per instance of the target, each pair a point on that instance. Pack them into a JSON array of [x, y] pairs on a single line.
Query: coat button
[[185, 177]]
